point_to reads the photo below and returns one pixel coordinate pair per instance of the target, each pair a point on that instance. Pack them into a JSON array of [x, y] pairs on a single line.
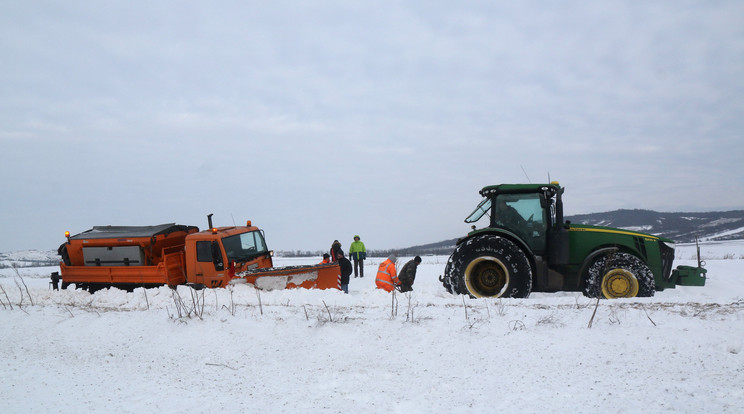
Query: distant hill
[[680, 227], [29, 258], [439, 248]]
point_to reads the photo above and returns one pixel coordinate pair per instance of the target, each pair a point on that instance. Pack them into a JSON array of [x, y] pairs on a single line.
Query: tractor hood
[[612, 230]]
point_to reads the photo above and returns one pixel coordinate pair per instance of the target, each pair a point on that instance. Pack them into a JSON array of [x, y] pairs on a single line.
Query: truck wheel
[[621, 275], [94, 287], [489, 266]]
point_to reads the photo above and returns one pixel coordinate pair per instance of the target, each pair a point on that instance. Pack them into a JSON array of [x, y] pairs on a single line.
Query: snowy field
[[323, 351]]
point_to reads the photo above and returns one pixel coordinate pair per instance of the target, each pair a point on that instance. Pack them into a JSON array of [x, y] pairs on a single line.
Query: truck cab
[[216, 254]]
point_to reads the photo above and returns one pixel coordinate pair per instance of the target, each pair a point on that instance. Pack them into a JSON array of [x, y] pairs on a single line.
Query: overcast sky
[[320, 120]]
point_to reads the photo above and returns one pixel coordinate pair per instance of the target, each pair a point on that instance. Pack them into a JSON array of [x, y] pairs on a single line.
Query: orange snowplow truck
[[129, 257]]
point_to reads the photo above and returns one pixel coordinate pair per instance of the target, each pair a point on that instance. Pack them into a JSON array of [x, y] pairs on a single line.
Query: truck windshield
[[244, 247], [483, 208]]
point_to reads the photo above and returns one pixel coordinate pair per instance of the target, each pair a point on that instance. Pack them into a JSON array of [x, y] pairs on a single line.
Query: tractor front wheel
[[618, 275]]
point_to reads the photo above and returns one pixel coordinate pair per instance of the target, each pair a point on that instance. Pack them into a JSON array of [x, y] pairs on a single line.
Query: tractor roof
[[518, 188]]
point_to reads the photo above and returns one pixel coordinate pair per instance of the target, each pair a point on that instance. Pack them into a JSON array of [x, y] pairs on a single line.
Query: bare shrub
[[327, 316], [6, 297], [183, 310], [614, 318], [548, 320], [500, 307], [21, 289], [517, 325], [198, 301], [330, 318], [465, 307], [394, 309], [232, 307], [647, 315], [410, 308], [258, 293], [591, 320]]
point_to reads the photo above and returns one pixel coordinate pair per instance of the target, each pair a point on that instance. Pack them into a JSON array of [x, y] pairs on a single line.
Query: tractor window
[[529, 208], [522, 214], [244, 247], [483, 208]]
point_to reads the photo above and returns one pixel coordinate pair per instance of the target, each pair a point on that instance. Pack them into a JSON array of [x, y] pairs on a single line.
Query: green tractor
[[527, 247]]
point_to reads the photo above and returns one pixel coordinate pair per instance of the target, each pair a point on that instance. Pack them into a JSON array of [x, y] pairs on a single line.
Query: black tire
[[452, 285], [95, 287], [618, 275], [488, 266], [195, 286]]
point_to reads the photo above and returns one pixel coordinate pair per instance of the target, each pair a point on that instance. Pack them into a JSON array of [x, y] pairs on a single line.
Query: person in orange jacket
[[326, 259], [387, 276]]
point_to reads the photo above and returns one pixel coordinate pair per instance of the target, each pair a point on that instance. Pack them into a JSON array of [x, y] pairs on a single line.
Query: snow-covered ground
[[323, 351]]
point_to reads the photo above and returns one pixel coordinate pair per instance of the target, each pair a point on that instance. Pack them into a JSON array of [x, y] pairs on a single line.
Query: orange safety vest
[[325, 261], [387, 276]]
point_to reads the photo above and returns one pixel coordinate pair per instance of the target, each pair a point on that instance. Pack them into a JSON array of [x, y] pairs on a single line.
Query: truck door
[[210, 264]]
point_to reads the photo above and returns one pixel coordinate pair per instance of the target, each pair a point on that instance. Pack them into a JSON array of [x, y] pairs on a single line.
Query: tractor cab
[[528, 211]]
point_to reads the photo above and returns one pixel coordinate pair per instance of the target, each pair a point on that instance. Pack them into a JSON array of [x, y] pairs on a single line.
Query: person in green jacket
[[358, 253]]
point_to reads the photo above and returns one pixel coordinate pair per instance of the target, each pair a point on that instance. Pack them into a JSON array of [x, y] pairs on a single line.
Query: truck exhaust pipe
[[209, 220]]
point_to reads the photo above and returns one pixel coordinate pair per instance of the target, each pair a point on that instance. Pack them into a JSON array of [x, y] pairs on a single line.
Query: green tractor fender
[[589, 259]]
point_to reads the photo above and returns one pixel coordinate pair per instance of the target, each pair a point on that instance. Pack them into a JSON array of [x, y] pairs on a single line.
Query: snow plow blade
[[323, 276]]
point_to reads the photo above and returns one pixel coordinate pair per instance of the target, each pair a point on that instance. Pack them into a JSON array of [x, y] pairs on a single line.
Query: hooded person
[[335, 250], [408, 274], [387, 276]]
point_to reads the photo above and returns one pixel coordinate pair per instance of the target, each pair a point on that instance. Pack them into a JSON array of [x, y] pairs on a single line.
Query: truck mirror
[[217, 257]]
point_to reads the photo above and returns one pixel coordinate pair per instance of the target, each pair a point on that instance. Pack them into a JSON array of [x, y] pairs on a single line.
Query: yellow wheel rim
[[619, 283], [486, 276]]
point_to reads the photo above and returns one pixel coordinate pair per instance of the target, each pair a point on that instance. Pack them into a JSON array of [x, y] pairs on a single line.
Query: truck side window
[[203, 251]]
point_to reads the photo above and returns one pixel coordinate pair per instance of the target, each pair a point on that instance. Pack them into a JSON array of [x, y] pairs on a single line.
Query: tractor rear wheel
[[619, 275], [488, 266]]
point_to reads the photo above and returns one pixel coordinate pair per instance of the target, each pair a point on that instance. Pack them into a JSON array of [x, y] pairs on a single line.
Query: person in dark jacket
[[346, 270], [408, 274], [335, 249]]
